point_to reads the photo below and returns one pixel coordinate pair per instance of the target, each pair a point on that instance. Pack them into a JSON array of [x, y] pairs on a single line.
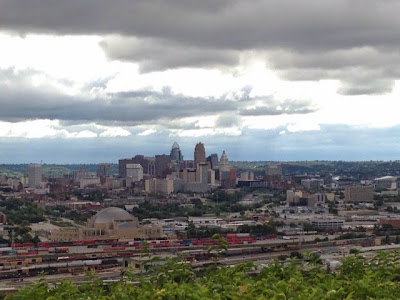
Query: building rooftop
[[112, 214]]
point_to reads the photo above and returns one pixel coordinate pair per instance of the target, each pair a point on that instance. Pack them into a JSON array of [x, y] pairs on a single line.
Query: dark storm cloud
[[23, 102], [316, 38], [228, 120], [159, 54], [362, 70], [220, 24]]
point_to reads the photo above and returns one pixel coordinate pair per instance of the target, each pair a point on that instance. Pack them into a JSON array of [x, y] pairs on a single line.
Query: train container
[[293, 247], [63, 258], [114, 248], [187, 242], [269, 236], [59, 250], [113, 262], [43, 244], [6, 249], [9, 274], [243, 234], [278, 248], [160, 244], [125, 254]]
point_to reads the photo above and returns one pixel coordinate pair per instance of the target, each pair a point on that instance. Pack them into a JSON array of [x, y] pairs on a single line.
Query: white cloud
[[115, 131], [83, 134], [147, 132]]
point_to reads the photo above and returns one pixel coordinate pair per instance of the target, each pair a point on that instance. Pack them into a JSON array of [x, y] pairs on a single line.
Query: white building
[[159, 186], [88, 181], [293, 196], [386, 182], [134, 171], [202, 173]]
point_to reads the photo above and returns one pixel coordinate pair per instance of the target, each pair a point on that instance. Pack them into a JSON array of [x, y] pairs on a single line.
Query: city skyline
[[264, 80]]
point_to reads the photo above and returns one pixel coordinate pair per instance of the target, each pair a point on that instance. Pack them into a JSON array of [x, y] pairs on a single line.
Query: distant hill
[[357, 169], [51, 170]]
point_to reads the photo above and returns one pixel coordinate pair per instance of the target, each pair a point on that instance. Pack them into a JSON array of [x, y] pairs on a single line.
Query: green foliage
[[221, 245], [201, 232], [223, 196], [21, 212], [351, 235], [290, 279], [148, 210], [257, 229]]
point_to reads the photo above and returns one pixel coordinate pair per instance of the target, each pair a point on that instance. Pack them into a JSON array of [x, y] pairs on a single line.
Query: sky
[[94, 81]]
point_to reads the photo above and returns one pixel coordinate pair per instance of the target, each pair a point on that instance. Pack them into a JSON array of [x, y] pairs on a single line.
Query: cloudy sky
[[96, 80]]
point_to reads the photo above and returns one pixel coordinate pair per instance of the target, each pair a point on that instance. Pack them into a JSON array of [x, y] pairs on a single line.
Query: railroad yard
[[25, 263]]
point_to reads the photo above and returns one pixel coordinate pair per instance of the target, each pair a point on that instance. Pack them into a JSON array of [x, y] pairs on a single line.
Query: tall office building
[[134, 171], [223, 163], [162, 163], [202, 172], [148, 164], [176, 153], [273, 170], [199, 154], [34, 175], [359, 193], [83, 173], [103, 170], [213, 160]]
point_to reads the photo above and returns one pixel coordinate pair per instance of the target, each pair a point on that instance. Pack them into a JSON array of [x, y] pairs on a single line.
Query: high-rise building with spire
[[176, 153], [223, 163], [199, 154]]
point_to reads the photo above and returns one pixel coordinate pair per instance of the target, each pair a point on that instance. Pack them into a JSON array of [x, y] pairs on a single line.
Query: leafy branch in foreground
[[356, 278]]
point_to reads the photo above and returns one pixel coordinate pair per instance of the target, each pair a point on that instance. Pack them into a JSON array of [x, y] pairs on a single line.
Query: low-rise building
[[359, 193], [312, 183], [88, 181], [293, 196], [328, 223], [393, 222], [386, 182]]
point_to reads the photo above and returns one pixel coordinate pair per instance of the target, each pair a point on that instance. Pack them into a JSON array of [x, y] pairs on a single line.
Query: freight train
[[62, 246], [75, 266]]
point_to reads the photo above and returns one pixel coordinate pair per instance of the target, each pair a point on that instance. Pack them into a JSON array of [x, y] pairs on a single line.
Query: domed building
[[111, 222], [111, 217]]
